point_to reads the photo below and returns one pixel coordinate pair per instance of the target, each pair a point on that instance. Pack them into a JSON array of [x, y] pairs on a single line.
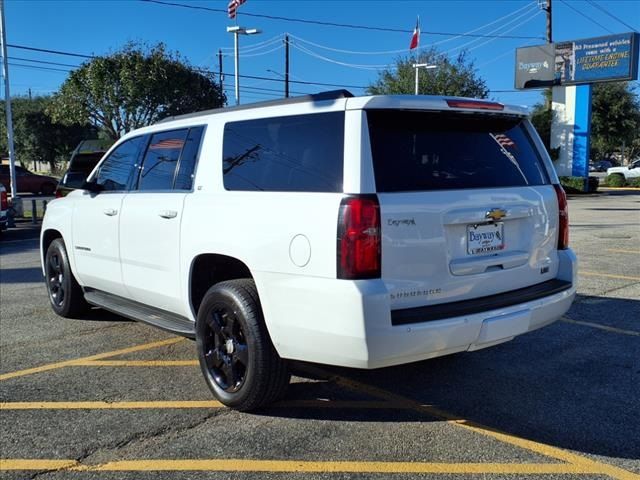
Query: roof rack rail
[[315, 97]]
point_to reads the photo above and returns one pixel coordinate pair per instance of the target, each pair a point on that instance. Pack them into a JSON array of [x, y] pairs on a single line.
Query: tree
[[451, 77], [615, 118], [541, 117], [134, 87], [37, 136]]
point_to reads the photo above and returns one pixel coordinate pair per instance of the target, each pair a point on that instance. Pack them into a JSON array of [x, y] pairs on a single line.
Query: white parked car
[[630, 171], [354, 231]]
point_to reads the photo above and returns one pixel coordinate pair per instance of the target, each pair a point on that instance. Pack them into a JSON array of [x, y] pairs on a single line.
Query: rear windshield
[[414, 151]]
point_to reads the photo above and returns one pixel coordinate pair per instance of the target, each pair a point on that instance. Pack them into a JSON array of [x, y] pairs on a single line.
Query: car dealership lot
[[107, 398]]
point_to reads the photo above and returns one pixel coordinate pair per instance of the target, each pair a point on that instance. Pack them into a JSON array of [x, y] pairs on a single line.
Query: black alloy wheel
[[65, 294], [238, 360], [55, 279], [225, 349]]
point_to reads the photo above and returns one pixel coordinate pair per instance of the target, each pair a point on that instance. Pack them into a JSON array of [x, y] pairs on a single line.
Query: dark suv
[[83, 160]]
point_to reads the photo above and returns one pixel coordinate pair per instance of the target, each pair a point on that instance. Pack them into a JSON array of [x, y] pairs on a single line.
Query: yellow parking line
[[98, 405], [608, 275], [67, 363], [136, 363], [585, 463], [36, 464], [602, 327], [241, 465], [621, 250]]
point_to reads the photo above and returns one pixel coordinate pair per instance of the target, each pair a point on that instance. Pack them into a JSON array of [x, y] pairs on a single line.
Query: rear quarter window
[[299, 153], [418, 150]]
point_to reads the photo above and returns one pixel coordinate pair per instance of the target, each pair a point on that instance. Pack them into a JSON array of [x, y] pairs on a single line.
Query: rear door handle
[[168, 214], [110, 211]]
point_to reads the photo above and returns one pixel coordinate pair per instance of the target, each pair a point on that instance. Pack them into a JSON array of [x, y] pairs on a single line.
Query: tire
[[65, 295], [47, 189], [238, 360]]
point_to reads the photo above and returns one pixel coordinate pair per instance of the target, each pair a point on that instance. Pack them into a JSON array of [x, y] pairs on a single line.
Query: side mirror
[[92, 186]]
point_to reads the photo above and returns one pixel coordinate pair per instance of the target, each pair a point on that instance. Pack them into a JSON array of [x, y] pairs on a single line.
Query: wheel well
[[48, 237], [209, 269]]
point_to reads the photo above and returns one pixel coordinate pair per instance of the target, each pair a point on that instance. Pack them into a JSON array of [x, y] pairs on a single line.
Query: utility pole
[[286, 66], [7, 102], [549, 23], [237, 30], [220, 74], [546, 6]]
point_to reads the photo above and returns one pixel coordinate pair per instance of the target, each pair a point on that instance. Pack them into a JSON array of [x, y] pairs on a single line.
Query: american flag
[[503, 140], [170, 143], [232, 7]]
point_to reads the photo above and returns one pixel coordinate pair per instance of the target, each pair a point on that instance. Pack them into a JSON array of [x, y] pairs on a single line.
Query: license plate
[[485, 238]]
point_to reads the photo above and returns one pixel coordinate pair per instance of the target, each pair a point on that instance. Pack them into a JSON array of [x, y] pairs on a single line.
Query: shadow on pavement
[[570, 386]]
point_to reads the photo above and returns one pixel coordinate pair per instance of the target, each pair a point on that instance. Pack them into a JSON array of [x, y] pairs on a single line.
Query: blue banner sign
[[611, 58]]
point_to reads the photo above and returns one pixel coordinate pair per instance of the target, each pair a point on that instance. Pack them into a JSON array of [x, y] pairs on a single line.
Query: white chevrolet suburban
[[353, 231]]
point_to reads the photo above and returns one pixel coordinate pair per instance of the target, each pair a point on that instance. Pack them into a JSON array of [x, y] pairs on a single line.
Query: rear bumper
[[349, 323]]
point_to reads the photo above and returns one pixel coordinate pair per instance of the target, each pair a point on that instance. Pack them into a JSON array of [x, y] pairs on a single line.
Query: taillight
[[359, 238], [563, 223], [58, 193], [4, 204]]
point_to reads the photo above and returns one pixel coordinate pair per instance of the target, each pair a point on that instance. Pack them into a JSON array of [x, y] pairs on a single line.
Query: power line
[[585, 15], [43, 62], [255, 77], [607, 12], [404, 50], [327, 24], [38, 68], [45, 50]]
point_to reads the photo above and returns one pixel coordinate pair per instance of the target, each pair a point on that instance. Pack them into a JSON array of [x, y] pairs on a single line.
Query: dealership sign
[[592, 60]]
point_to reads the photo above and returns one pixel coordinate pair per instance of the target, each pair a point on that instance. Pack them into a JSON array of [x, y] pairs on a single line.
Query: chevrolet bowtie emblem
[[496, 214]]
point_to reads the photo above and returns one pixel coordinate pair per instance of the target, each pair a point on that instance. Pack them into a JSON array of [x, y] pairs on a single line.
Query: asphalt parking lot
[[106, 398]]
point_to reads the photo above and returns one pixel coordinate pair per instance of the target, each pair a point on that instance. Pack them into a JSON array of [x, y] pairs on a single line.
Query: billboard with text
[[591, 60]]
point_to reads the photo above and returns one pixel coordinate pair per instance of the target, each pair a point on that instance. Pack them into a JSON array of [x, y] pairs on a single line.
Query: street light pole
[[237, 30], [417, 66], [7, 100]]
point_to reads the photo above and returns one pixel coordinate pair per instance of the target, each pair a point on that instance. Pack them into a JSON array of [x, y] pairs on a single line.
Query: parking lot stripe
[[67, 363], [608, 275], [621, 250], [241, 465], [602, 327], [587, 464], [36, 464], [137, 363], [100, 405]]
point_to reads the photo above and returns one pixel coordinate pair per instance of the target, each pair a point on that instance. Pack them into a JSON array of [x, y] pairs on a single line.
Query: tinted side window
[[188, 160], [117, 170], [161, 160], [301, 153], [415, 151]]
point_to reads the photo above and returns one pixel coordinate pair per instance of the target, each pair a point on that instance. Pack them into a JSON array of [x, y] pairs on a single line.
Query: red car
[[28, 181]]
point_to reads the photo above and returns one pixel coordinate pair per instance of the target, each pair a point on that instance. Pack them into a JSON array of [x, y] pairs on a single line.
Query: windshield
[[418, 150]]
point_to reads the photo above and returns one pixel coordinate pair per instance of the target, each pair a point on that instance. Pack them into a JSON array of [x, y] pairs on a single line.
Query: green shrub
[[572, 184], [616, 180], [633, 182]]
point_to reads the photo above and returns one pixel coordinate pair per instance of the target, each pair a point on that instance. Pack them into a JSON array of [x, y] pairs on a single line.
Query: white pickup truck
[[630, 171], [354, 231]]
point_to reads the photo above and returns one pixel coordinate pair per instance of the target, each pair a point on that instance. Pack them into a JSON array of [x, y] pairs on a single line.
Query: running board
[[143, 313]]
